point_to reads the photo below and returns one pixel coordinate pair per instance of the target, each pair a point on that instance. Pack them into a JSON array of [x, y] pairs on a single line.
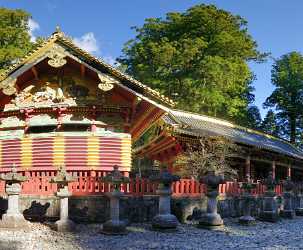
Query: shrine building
[[261, 153], [62, 106]]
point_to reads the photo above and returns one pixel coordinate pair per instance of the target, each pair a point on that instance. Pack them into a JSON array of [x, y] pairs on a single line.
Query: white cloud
[[33, 26], [87, 42], [110, 60]]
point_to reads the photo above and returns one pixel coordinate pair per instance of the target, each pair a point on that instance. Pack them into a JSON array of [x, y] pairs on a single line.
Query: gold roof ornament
[[57, 58], [8, 86], [58, 30], [106, 83]]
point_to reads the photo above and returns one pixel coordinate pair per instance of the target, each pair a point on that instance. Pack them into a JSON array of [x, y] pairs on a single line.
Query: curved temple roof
[[97, 63], [200, 125]]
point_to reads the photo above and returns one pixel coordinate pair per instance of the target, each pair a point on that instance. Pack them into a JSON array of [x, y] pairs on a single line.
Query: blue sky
[[102, 27]]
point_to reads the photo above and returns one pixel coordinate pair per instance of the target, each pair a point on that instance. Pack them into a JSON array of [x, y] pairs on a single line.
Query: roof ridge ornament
[[58, 31]]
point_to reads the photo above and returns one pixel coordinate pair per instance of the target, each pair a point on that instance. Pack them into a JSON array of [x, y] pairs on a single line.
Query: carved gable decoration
[[8, 86], [106, 82], [39, 94], [12, 121], [56, 57]]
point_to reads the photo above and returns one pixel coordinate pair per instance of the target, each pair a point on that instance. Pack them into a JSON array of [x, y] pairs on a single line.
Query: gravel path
[[286, 234]]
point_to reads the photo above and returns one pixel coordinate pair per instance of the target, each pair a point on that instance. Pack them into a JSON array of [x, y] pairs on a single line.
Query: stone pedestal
[[114, 226], [13, 218], [211, 220], [299, 209], [270, 210], [164, 221], [247, 219], [64, 224], [288, 211]]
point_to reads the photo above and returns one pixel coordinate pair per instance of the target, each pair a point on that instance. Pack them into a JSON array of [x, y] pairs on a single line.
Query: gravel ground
[[286, 234]]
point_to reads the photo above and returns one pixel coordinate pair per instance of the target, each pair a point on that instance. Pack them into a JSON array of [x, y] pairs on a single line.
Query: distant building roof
[[200, 125]]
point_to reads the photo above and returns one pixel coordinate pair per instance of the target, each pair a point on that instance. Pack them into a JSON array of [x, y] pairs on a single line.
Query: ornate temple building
[[62, 106], [261, 153]]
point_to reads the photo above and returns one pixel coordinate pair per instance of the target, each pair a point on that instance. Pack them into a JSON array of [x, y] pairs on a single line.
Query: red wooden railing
[[88, 183]]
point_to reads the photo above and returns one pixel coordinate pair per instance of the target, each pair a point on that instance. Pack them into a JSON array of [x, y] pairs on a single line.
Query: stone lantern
[[288, 209], [247, 186], [269, 210], [212, 219], [62, 179], [114, 225], [13, 218], [299, 209], [164, 221]]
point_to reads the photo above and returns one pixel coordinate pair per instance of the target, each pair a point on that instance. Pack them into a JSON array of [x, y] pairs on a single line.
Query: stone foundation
[[88, 209]]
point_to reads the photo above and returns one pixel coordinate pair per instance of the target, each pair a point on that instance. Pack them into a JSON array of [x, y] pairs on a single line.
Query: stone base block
[[114, 227], [288, 214], [299, 211], [64, 226], [13, 221], [211, 221], [247, 220], [269, 216], [165, 222]]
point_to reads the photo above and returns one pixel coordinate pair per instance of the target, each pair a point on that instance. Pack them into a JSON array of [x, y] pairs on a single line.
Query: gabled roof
[[187, 123], [96, 63]]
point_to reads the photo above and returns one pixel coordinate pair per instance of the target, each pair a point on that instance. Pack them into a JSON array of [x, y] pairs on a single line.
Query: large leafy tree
[[199, 58], [287, 98], [14, 36], [270, 124]]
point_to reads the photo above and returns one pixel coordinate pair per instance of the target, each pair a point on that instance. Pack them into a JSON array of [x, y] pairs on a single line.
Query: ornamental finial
[[58, 30]]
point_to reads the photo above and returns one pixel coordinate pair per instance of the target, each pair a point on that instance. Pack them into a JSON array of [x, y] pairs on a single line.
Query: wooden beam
[[247, 166], [273, 169], [35, 72], [148, 122], [142, 117], [82, 70]]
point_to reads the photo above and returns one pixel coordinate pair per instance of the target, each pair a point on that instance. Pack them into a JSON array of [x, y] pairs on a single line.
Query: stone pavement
[[285, 234]]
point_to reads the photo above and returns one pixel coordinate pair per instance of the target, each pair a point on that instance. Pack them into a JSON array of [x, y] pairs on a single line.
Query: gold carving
[[8, 86], [57, 58], [107, 83], [40, 94]]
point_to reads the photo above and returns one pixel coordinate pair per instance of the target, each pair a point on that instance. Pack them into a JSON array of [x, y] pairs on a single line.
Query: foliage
[[287, 98], [253, 118], [210, 155], [199, 58], [14, 36], [270, 124]]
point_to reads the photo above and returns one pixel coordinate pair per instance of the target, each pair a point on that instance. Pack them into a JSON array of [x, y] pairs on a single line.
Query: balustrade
[[88, 184]]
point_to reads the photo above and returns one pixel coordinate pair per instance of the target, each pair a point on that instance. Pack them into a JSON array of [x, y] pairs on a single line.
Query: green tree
[[270, 124], [253, 118], [199, 58], [287, 98], [14, 36]]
